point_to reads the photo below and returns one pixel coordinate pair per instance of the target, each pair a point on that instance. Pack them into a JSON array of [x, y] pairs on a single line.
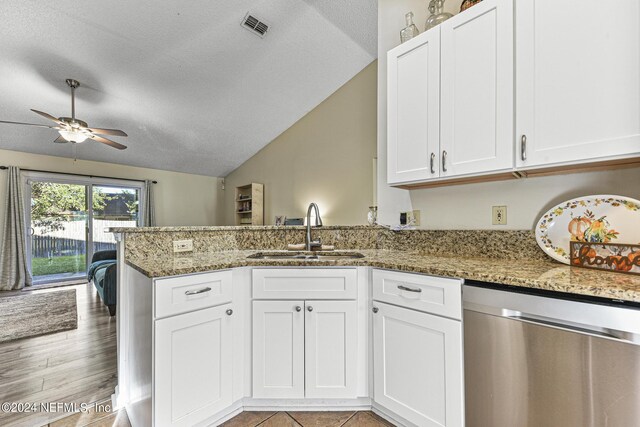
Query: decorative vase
[[410, 31], [438, 15]]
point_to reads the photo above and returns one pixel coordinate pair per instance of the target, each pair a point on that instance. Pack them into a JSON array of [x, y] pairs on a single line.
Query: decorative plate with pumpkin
[[595, 219]]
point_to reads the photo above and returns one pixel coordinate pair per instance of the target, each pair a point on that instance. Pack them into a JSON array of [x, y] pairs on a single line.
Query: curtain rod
[[79, 174]]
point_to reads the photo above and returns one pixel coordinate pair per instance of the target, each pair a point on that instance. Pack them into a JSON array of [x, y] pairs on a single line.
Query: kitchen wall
[[469, 206], [326, 157], [180, 198]]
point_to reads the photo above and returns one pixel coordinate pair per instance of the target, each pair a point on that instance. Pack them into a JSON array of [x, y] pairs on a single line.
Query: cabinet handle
[[444, 161], [309, 308], [199, 291], [229, 312], [408, 289], [298, 308], [375, 309], [433, 162], [523, 147]]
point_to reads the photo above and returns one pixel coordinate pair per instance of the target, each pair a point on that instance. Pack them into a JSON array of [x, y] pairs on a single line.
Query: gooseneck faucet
[[309, 243]]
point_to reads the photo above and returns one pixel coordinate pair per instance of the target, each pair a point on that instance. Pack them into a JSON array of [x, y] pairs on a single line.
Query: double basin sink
[[307, 256]]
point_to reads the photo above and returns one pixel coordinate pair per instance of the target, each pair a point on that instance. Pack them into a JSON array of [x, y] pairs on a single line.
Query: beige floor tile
[[248, 419], [380, 419], [364, 419], [281, 419], [321, 418]]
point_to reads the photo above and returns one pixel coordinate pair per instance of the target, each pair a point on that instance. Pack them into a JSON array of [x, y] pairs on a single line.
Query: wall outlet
[[182, 245], [499, 216], [410, 217]]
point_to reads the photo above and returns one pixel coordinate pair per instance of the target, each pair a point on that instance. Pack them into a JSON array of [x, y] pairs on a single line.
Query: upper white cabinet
[[450, 98], [413, 115], [578, 81], [476, 114]]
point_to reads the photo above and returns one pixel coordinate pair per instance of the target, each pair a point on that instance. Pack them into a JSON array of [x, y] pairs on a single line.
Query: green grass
[[59, 264]]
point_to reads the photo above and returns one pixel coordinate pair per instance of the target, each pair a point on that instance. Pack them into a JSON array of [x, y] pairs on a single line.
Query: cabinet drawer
[[437, 295], [187, 293], [305, 283]]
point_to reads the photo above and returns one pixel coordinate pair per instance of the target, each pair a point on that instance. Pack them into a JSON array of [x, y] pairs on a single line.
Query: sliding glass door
[[58, 229], [68, 219]]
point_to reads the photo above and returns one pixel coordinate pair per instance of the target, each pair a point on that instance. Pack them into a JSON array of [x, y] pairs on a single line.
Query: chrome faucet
[[309, 243]]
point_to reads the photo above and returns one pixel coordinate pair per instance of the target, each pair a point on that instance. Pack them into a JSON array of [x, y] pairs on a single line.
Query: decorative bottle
[[438, 15], [410, 31]]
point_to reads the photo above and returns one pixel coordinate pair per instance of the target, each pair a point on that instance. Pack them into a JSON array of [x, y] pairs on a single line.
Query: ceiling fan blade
[[114, 132], [29, 124], [48, 116], [60, 140], [108, 142]]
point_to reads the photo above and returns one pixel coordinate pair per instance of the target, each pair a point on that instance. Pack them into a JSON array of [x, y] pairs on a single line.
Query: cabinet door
[[193, 366], [477, 90], [331, 349], [413, 110], [578, 90], [278, 349], [418, 366]]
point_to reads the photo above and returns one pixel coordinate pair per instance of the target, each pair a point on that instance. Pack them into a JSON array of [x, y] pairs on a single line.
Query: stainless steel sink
[[307, 256]]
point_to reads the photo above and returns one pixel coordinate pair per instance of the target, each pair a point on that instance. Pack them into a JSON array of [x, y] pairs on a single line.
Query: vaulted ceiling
[[194, 90]]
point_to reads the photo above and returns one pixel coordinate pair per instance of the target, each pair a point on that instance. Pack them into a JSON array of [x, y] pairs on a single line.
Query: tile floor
[[245, 419], [307, 419]]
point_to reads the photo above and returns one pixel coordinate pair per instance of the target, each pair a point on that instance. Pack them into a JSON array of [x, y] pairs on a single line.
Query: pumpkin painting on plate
[[592, 219]]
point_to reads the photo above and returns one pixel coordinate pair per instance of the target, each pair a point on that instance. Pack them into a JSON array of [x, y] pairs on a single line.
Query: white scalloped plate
[[598, 219]]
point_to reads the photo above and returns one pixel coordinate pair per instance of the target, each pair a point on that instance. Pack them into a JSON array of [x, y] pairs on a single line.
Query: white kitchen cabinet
[[193, 366], [278, 349], [305, 349], [578, 85], [331, 349], [476, 111], [413, 109], [418, 366]]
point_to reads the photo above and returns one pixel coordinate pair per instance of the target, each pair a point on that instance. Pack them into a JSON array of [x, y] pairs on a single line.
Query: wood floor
[[77, 366]]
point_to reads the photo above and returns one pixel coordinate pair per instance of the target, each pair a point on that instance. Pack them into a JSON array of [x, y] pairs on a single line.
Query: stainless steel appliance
[[535, 361]]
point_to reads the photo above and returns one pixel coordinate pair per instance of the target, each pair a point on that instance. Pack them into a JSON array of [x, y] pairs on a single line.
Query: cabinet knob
[[229, 312], [298, 308], [375, 309], [523, 147], [309, 308]]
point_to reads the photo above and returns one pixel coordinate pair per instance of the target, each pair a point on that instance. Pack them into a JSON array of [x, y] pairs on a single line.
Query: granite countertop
[[545, 275], [173, 229]]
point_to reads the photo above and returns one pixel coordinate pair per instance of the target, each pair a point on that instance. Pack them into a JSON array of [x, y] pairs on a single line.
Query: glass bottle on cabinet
[[438, 15], [410, 31]]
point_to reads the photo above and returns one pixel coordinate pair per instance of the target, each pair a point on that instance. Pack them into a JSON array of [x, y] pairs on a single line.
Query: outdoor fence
[[71, 238]]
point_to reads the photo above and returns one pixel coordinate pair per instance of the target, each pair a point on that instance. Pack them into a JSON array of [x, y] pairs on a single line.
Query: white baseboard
[[360, 404]]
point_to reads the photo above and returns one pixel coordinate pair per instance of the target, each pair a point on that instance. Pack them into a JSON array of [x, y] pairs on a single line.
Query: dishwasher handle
[[607, 333]]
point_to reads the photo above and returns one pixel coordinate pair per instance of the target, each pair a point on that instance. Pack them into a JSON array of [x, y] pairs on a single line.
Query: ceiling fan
[[75, 130]]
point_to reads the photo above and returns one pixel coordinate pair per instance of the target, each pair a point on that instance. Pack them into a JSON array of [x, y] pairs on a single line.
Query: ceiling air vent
[[255, 25]]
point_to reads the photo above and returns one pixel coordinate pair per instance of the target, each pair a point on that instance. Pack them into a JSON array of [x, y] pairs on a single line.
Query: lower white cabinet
[[305, 349], [193, 366], [418, 366]]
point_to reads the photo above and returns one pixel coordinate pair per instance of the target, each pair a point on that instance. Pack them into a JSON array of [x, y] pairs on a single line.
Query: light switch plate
[[499, 215], [182, 245]]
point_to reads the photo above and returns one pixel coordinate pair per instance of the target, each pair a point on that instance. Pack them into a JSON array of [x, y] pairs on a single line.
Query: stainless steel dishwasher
[[535, 361]]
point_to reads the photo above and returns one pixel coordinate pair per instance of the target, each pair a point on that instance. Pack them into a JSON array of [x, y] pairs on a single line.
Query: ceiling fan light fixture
[[73, 135]]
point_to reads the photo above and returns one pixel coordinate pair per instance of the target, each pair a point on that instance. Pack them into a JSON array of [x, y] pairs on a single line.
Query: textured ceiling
[[194, 90]]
